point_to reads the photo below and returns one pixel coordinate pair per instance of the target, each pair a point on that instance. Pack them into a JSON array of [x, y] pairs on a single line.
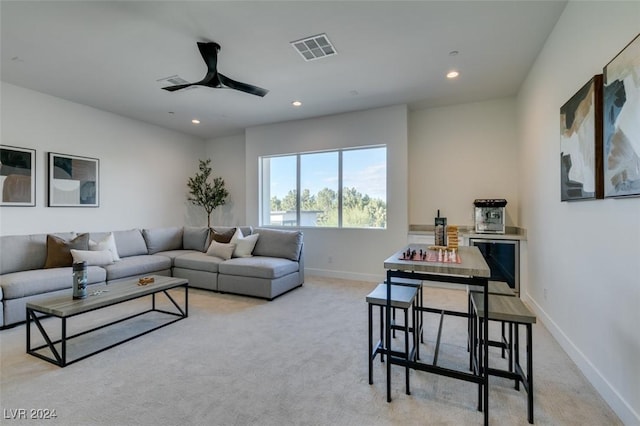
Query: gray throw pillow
[[278, 243]]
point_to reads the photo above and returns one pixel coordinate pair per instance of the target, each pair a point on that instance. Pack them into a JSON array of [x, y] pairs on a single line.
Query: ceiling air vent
[[174, 79], [316, 47]]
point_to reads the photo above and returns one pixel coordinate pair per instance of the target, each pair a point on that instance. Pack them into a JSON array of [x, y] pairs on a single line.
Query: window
[[319, 196], [345, 188]]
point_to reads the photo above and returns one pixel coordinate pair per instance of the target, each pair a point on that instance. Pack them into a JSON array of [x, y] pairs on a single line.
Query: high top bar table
[[472, 270]]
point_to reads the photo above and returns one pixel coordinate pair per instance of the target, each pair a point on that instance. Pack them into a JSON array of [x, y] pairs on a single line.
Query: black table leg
[[388, 336], [530, 372], [381, 332], [406, 348]]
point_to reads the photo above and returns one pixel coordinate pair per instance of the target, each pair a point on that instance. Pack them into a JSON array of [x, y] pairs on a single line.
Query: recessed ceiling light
[[195, 121], [296, 103], [453, 74]]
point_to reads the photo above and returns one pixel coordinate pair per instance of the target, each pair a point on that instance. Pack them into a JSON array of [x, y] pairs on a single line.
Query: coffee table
[[101, 296]]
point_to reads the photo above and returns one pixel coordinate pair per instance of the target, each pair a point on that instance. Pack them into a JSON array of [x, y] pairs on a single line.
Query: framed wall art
[[17, 176], [621, 156], [73, 181], [581, 143]]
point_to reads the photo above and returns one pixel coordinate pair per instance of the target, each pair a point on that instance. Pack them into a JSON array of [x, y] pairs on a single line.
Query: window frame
[[262, 202]]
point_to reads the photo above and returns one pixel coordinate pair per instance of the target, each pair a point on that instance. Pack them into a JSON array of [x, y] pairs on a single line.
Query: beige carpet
[[298, 360]]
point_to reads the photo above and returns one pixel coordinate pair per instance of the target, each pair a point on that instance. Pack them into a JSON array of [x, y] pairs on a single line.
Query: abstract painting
[[73, 181], [581, 143], [17, 176], [621, 155]]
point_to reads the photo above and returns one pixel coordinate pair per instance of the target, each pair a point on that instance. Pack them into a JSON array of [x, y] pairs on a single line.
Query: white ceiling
[[110, 54]]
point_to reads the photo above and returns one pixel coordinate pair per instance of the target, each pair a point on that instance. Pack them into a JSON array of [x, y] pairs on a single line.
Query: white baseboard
[[618, 404]]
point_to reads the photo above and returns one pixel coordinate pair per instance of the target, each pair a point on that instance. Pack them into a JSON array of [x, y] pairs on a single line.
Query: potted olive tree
[[204, 193]]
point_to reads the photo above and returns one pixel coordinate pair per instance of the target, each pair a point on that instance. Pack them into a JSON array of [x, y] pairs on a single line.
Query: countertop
[[511, 232]]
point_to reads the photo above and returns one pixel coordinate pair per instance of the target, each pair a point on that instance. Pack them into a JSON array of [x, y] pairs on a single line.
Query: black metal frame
[[479, 376], [60, 358]]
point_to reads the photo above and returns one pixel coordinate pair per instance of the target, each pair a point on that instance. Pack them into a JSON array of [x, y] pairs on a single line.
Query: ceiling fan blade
[[244, 87], [209, 80], [177, 87]]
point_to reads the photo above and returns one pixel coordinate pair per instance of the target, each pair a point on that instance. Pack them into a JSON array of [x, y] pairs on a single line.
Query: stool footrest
[[435, 355]]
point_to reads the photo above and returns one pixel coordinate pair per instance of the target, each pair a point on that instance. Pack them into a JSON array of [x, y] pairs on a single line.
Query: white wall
[[143, 168], [355, 253], [583, 257], [460, 153], [228, 161]]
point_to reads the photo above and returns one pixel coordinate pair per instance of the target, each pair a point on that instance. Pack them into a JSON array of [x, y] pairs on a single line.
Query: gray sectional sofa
[[275, 265]]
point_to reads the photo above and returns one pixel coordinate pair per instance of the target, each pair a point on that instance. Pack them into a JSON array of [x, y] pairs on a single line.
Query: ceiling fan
[[214, 79]]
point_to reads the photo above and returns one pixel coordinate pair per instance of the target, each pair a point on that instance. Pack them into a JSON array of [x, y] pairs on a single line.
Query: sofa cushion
[[92, 257], [173, 254], [258, 267], [137, 265], [22, 252], [59, 250], [108, 242], [198, 261], [223, 251], [130, 243], [278, 243], [28, 283], [222, 234], [195, 238], [162, 239]]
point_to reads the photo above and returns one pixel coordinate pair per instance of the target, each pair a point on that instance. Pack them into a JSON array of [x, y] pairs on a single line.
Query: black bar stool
[[515, 313], [419, 303], [499, 288], [402, 297]]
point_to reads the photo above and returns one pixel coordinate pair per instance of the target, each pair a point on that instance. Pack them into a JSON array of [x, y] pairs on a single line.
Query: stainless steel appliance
[[503, 258], [490, 215]]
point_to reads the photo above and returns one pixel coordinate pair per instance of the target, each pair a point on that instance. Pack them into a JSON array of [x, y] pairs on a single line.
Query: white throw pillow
[[92, 257], [236, 235], [223, 251], [245, 246], [107, 243]]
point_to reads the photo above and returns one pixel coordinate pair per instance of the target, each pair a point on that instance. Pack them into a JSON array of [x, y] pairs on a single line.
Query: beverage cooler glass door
[[503, 258]]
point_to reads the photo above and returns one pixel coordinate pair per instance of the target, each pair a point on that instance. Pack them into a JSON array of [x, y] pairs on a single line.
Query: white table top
[[472, 263]]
